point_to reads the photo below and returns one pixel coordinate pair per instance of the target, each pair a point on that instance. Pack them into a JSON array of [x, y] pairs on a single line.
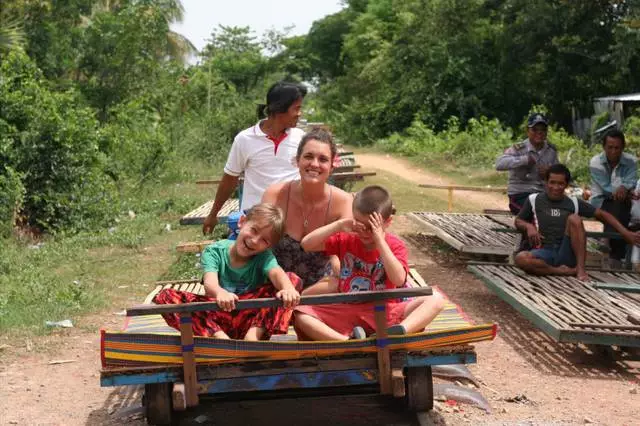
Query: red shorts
[[343, 317], [235, 323]]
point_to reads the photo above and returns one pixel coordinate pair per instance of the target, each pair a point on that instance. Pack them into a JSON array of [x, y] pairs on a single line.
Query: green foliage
[[11, 198], [479, 144], [399, 60], [54, 148], [235, 55]]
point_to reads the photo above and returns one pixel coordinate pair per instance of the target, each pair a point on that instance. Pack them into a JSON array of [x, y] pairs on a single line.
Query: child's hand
[[376, 222], [226, 300], [290, 297]]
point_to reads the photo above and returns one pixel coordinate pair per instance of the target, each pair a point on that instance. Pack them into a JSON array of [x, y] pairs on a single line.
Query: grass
[[66, 277], [408, 197], [69, 277]]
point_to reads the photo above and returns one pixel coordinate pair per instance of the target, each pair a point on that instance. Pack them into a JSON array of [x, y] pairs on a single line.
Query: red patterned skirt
[[235, 323]]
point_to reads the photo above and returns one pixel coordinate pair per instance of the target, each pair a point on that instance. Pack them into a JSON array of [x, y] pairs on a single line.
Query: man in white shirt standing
[[265, 152]]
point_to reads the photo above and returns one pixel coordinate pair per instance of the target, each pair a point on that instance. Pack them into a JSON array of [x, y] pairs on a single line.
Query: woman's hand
[[289, 296]]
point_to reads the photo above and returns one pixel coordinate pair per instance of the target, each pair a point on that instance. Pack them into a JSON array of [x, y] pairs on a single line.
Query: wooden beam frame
[[321, 299]]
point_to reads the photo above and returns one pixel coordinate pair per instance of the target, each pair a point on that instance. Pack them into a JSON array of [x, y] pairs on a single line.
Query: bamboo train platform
[[470, 233], [603, 311], [197, 216], [177, 367]]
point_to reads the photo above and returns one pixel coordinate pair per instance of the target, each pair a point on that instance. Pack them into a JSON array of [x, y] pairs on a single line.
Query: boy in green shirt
[[242, 269]]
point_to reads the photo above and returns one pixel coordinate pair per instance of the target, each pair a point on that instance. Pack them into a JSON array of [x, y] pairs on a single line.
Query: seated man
[[527, 162], [613, 178], [552, 224]]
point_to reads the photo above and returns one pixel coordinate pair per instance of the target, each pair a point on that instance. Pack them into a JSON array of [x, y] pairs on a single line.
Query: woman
[[308, 204], [264, 152]]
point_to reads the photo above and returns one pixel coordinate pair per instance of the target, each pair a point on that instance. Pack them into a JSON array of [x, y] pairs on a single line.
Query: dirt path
[[409, 171], [549, 383]]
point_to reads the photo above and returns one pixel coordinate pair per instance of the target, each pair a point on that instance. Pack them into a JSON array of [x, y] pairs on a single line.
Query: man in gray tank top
[[527, 162], [552, 224]]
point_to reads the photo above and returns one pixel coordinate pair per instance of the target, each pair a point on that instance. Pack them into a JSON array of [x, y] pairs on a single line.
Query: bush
[[54, 150], [11, 197], [480, 143]]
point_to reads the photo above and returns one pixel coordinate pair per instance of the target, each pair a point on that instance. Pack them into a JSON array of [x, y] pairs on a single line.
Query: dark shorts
[[558, 255]]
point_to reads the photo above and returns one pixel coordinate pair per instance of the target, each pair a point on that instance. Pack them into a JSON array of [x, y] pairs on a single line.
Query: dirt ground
[[546, 382]]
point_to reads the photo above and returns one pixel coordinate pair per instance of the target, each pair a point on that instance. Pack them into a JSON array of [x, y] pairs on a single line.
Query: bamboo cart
[[176, 370]]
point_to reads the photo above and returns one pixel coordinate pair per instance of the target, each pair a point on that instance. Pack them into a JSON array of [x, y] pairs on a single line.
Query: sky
[[202, 16]]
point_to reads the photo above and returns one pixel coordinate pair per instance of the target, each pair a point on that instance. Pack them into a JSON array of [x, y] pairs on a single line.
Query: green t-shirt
[[215, 258]]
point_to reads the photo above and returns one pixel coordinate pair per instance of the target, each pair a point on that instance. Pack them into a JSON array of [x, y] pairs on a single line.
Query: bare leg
[[315, 329], [575, 231], [421, 311], [534, 266], [255, 333], [221, 335]]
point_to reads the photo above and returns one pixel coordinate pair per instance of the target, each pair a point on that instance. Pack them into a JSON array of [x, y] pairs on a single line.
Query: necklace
[[305, 217]]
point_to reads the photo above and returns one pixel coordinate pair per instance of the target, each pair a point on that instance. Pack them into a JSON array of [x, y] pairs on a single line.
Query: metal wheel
[[157, 403], [419, 387]]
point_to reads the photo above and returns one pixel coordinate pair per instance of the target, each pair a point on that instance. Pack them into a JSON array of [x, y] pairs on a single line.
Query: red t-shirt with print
[[362, 269]]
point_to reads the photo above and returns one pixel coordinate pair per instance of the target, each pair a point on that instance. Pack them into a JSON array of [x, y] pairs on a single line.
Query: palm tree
[[178, 46], [12, 35]]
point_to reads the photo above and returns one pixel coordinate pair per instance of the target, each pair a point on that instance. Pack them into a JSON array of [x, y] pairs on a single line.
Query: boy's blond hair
[[267, 214], [374, 198]]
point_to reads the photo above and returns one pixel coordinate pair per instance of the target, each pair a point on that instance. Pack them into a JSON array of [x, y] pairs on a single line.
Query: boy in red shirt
[[370, 259]]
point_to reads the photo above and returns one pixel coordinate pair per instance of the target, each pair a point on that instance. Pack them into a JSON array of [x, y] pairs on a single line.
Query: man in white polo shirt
[[265, 152]]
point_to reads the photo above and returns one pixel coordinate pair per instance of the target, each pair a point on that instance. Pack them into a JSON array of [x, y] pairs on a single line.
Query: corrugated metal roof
[[631, 97]]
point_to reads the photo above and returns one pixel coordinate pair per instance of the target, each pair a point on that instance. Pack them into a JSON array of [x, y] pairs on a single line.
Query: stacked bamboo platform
[[470, 233], [197, 216], [570, 310]]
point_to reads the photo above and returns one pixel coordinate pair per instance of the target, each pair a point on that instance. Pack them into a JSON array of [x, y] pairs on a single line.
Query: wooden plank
[[384, 357], [188, 360], [567, 309], [321, 299], [397, 383], [178, 395], [590, 234], [502, 189], [197, 216], [193, 247], [609, 326], [468, 233], [345, 176], [150, 296], [417, 278], [628, 288], [172, 282], [498, 212]]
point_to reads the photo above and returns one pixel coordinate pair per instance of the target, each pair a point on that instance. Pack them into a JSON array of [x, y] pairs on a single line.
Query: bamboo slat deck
[[194, 286], [197, 216], [567, 309], [469, 233]]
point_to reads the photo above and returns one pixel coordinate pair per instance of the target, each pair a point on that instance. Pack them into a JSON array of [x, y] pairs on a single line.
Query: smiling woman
[[308, 204]]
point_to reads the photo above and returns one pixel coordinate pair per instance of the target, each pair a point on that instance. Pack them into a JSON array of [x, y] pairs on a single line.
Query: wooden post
[[382, 342], [188, 360], [450, 199]]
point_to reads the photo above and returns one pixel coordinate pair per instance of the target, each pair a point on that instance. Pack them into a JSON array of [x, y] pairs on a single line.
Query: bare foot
[[221, 335], [565, 270], [582, 276]]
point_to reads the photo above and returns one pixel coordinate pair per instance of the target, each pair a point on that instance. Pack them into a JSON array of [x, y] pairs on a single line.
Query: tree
[[236, 56]]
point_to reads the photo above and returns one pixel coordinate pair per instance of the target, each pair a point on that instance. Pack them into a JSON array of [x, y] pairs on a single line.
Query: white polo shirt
[[262, 161]]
